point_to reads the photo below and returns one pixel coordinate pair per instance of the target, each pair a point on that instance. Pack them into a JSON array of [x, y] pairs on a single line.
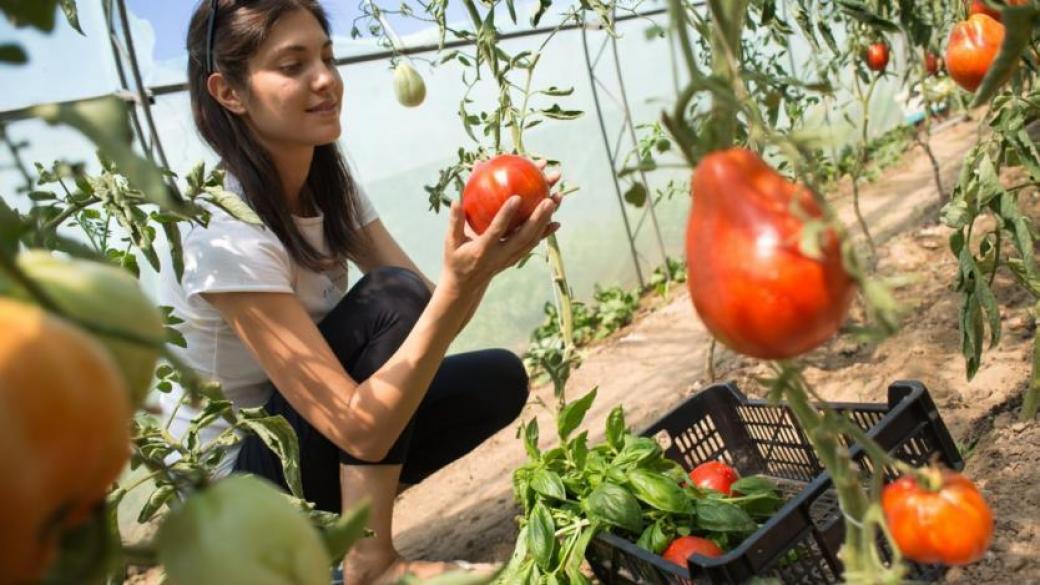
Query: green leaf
[[548, 483], [859, 11], [636, 451], [636, 194], [531, 440], [71, 14], [558, 91], [557, 113], [38, 14], [541, 536], [347, 530], [616, 429], [572, 415], [719, 516], [659, 491], [13, 54], [1018, 32], [753, 484], [615, 505], [654, 538], [155, 502], [234, 205], [104, 121], [279, 436]]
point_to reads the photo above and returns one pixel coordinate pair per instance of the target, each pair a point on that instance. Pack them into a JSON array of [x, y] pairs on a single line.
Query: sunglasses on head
[[211, 28]]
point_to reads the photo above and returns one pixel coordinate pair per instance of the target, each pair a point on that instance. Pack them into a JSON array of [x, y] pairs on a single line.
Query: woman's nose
[[326, 77]]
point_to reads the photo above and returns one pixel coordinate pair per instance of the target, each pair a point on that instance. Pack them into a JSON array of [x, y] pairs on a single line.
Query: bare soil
[[467, 511]]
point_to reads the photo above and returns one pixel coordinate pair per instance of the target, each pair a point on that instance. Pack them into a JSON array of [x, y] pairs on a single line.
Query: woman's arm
[[363, 419], [366, 418]]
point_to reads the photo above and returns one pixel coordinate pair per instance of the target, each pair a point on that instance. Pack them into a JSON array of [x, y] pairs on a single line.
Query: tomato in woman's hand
[[752, 284], [494, 181], [972, 48], [877, 56], [951, 524], [683, 547], [715, 475]]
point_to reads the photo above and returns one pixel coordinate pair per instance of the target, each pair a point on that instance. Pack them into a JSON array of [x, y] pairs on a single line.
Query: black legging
[[472, 395]]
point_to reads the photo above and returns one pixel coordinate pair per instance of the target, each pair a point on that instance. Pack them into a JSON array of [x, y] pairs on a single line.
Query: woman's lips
[[326, 108]]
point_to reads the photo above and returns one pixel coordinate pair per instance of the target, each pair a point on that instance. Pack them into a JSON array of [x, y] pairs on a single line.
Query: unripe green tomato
[[241, 530], [408, 85], [108, 297]]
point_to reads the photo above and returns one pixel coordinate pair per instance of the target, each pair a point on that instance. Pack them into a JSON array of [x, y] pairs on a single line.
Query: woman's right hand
[[471, 261]]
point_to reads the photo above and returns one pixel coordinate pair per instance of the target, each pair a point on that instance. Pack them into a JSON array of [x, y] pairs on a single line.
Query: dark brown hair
[[241, 27]]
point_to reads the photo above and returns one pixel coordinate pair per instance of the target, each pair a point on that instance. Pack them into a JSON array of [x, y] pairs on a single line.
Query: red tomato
[[684, 547], [932, 63], [980, 7], [952, 525], [751, 284], [877, 56], [714, 475], [973, 45], [493, 182]]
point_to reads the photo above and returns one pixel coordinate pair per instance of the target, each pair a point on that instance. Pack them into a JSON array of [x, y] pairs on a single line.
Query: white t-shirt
[[229, 255]]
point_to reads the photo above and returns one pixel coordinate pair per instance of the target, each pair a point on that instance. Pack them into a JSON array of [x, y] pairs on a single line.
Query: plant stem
[[1032, 398], [861, 160]]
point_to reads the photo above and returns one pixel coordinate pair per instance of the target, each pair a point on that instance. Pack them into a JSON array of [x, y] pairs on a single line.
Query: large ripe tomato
[[931, 63], [683, 547], [714, 475], [877, 56], [749, 280], [493, 182], [972, 48], [980, 7], [952, 525], [65, 418]]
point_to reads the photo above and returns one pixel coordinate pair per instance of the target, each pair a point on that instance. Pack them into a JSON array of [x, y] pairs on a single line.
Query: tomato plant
[[494, 181], [757, 284], [948, 522], [972, 48], [877, 56], [682, 548], [715, 475]]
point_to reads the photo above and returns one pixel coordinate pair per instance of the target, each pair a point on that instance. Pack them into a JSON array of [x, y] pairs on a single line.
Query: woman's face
[[295, 91]]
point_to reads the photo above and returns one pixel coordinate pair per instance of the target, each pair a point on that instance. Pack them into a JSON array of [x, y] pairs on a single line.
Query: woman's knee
[[397, 287], [513, 384]]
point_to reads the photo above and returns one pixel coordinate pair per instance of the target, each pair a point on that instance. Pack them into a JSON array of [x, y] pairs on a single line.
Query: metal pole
[[610, 155], [118, 58], [142, 91], [635, 143]]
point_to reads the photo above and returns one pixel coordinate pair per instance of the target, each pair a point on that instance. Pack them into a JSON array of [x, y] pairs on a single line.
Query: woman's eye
[[290, 68], [329, 60]]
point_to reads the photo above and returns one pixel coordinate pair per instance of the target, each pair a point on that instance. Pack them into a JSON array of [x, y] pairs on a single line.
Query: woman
[[361, 375]]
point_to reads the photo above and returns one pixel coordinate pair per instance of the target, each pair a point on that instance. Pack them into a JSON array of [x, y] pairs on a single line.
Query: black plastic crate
[[758, 438]]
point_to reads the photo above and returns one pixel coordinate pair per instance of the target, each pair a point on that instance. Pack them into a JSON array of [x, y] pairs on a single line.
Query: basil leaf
[[616, 506], [659, 492]]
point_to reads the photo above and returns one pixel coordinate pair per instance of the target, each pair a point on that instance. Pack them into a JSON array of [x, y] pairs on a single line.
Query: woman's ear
[[227, 96]]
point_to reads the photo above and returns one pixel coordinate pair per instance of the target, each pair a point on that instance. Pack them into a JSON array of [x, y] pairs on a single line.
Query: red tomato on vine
[[877, 56], [950, 524], [972, 48], [751, 282]]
